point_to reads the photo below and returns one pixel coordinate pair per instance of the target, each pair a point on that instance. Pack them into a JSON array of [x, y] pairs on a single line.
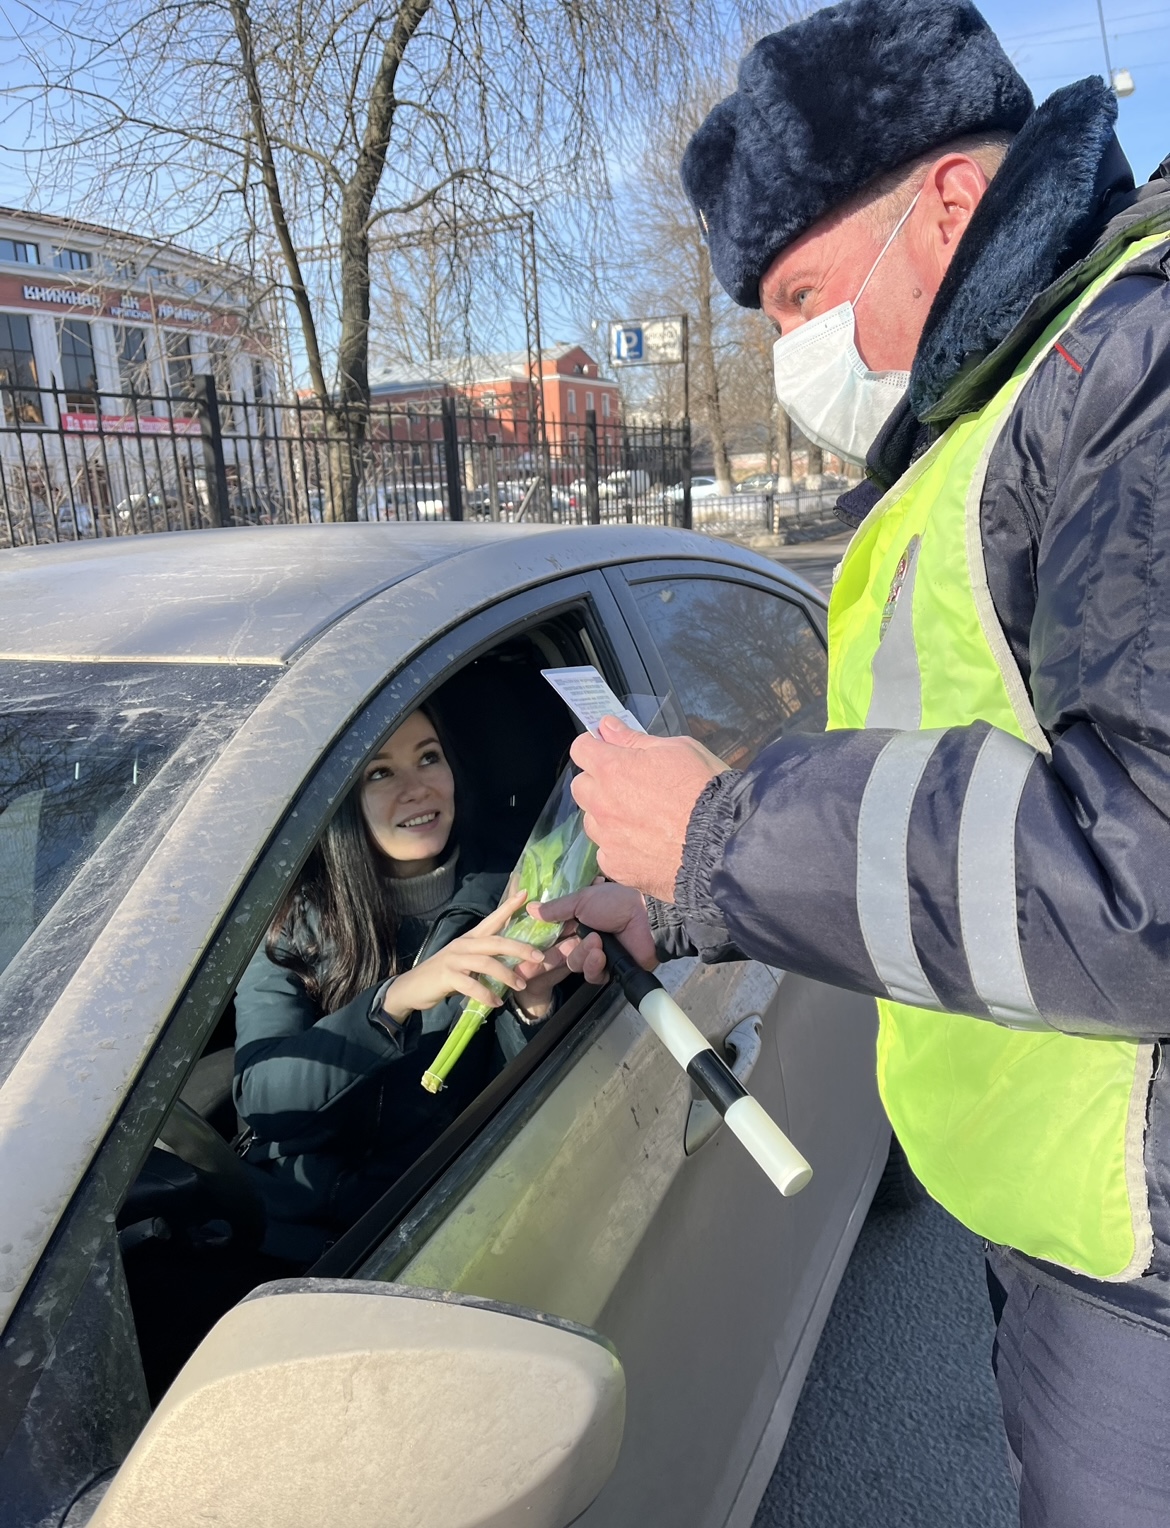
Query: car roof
[[258, 594]]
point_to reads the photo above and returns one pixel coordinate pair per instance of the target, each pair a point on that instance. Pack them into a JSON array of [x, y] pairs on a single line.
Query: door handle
[[743, 1045]]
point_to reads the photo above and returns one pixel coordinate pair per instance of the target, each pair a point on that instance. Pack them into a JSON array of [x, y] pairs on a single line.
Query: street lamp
[[1120, 80]]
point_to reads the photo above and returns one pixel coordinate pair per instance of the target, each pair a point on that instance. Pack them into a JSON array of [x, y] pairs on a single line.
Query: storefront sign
[[167, 312], [128, 424], [17, 294], [70, 297]]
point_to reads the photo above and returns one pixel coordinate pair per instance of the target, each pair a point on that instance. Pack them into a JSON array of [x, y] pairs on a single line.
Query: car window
[[745, 665]]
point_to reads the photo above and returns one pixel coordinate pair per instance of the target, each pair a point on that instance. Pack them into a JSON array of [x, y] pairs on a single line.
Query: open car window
[[187, 1252]]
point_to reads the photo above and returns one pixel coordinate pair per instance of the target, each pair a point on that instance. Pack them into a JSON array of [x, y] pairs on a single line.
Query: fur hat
[[827, 105]]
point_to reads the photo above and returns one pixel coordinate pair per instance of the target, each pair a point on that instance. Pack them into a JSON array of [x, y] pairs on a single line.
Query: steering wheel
[[226, 1178]]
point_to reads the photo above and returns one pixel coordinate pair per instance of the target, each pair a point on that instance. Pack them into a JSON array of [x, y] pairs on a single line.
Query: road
[[814, 560], [898, 1425]]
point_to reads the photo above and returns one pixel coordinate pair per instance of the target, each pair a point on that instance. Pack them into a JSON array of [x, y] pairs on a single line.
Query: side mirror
[[321, 1402]]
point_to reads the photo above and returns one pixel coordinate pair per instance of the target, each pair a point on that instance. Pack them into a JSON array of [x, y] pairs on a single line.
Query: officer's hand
[[637, 793], [612, 909]]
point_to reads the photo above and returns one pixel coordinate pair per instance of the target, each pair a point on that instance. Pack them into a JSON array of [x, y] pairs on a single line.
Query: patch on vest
[[896, 583]]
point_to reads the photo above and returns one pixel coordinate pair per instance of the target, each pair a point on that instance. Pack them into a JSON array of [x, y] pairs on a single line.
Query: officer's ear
[[955, 184]]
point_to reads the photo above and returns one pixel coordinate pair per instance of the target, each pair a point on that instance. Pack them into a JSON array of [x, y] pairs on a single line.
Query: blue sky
[[1054, 41], [1050, 41]]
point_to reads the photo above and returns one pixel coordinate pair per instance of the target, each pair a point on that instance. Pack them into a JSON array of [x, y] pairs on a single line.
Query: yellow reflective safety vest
[[1031, 1137]]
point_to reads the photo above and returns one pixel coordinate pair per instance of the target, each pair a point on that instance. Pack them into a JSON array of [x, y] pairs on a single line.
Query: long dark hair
[[353, 945]]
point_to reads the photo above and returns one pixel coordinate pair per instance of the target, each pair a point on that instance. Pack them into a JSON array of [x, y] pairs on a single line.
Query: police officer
[[972, 298]]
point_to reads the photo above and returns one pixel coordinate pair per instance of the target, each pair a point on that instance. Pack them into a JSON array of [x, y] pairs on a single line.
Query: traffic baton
[[744, 1115]]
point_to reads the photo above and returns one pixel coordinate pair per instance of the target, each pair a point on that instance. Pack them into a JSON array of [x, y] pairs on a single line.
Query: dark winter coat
[[1075, 518], [335, 1101]]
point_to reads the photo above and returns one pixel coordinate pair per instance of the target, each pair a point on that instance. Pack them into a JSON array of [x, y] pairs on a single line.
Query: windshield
[[95, 757]]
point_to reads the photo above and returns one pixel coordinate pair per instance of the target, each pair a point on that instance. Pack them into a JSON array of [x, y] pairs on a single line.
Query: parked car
[[148, 512], [584, 1302], [625, 483], [251, 504], [75, 519], [701, 488], [759, 482]]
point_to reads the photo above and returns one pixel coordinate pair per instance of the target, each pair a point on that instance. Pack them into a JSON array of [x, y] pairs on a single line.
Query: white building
[[101, 338], [98, 314]]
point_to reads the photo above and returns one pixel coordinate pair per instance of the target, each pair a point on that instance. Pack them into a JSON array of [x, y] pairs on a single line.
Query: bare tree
[[290, 135], [670, 271]]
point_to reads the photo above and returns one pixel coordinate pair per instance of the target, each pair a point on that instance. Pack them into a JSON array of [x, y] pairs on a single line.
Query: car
[[250, 504], [759, 482], [148, 512], [624, 483], [701, 488], [584, 1301]]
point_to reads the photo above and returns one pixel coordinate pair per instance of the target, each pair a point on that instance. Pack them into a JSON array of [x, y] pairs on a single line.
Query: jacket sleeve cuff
[[403, 1035], [668, 928], [712, 820]]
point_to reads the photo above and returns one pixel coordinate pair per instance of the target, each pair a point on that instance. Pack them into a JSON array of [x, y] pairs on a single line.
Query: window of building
[[19, 253], [180, 373], [571, 395], [134, 364], [78, 371], [18, 371], [156, 273], [605, 405], [589, 404], [72, 259], [259, 391], [778, 681]]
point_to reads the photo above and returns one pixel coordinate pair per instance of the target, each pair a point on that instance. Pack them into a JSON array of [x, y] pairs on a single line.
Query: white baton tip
[[749, 1122]]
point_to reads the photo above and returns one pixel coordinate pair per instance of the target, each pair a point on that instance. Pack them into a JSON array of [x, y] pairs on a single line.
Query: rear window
[[95, 760]]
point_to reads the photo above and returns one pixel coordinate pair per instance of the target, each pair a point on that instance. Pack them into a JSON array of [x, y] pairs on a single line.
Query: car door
[[583, 1202], [73, 1394], [741, 656]]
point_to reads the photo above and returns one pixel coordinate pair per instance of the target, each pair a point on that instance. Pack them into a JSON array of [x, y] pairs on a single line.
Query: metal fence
[[83, 465], [801, 515]]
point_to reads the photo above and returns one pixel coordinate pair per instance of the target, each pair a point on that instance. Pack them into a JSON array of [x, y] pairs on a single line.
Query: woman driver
[[365, 968]]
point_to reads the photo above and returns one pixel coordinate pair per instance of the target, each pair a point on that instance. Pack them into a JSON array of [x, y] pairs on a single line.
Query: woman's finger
[[507, 909], [476, 991], [495, 944], [469, 964], [552, 960]]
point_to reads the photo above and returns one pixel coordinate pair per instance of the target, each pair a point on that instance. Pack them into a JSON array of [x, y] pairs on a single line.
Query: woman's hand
[[456, 967], [540, 977]]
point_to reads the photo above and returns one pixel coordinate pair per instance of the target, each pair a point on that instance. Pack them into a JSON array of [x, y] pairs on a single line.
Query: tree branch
[[271, 182]]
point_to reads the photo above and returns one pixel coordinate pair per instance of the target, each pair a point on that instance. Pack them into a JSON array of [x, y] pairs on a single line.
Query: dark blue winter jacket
[[1075, 519]]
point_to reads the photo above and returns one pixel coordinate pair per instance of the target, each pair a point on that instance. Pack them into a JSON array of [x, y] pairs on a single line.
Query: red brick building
[[499, 386]]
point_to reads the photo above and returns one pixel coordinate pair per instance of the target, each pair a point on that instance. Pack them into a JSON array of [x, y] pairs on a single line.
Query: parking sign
[[627, 343], [648, 341]]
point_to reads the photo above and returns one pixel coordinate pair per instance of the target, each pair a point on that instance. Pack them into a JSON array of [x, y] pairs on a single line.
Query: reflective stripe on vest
[[1029, 1136]]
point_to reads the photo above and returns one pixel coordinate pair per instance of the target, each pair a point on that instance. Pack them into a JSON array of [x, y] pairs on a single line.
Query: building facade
[[498, 386], [90, 317]]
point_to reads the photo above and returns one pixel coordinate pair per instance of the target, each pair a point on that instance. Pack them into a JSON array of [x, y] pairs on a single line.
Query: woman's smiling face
[[408, 798]]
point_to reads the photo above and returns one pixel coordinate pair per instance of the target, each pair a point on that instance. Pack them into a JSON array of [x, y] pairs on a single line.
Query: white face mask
[[826, 388]]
